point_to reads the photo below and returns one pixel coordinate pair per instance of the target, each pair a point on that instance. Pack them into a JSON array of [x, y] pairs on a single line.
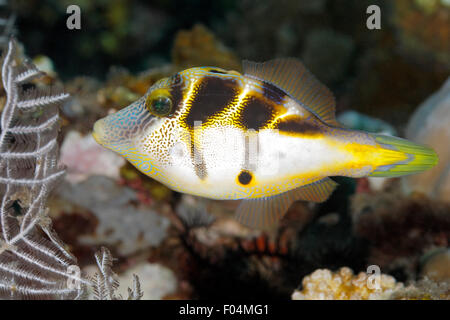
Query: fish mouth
[[117, 131], [105, 136], [99, 132]]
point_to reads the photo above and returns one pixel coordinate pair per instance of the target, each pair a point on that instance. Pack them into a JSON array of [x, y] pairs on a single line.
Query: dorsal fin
[[262, 213], [291, 75]]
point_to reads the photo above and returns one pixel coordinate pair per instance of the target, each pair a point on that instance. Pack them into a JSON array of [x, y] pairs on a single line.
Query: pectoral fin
[[261, 213]]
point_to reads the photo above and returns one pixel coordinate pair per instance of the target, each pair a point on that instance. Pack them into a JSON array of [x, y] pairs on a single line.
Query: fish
[[267, 136]]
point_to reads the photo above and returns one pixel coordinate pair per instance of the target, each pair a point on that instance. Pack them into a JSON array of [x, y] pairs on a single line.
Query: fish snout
[[113, 130], [120, 128], [99, 132]]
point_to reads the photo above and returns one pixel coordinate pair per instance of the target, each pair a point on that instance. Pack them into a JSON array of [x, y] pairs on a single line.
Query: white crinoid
[[33, 261]]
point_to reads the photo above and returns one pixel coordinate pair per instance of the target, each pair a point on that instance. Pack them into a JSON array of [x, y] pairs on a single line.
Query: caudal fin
[[414, 157]]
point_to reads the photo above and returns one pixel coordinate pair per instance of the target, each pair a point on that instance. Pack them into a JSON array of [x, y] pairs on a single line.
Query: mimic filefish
[[268, 136]]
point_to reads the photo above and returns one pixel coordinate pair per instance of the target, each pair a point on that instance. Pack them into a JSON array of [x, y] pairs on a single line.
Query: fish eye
[[159, 105]]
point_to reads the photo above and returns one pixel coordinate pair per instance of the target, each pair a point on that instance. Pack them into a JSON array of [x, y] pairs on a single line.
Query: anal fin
[[261, 213]]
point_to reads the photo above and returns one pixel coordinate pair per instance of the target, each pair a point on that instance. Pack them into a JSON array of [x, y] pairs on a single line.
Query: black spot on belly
[[256, 113], [299, 126], [245, 177], [273, 93], [213, 94]]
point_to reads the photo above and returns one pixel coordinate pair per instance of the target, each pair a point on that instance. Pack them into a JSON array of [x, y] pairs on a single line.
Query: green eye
[[160, 106]]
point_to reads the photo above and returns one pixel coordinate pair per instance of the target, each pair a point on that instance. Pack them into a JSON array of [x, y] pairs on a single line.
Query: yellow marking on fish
[[230, 114], [373, 155]]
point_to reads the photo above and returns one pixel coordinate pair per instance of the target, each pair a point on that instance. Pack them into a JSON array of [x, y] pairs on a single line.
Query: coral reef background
[[393, 80]]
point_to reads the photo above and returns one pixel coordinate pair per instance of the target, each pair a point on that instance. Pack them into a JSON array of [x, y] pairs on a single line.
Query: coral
[[198, 47], [193, 213], [435, 265], [425, 289], [116, 96], [157, 280], [139, 83], [105, 282], [147, 189], [83, 109], [121, 223], [45, 64], [93, 99], [429, 125], [400, 229], [71, 223], [122, 88], [183, 246], [83, 157], [246, 259], [424, 28], [34, 262], [31, 265], [324, 284]]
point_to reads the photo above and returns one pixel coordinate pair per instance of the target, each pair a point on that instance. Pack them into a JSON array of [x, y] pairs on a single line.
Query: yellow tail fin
[[417, 158]]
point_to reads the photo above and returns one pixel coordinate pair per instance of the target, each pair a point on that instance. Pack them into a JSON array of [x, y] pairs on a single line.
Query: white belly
[[271, 157]]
